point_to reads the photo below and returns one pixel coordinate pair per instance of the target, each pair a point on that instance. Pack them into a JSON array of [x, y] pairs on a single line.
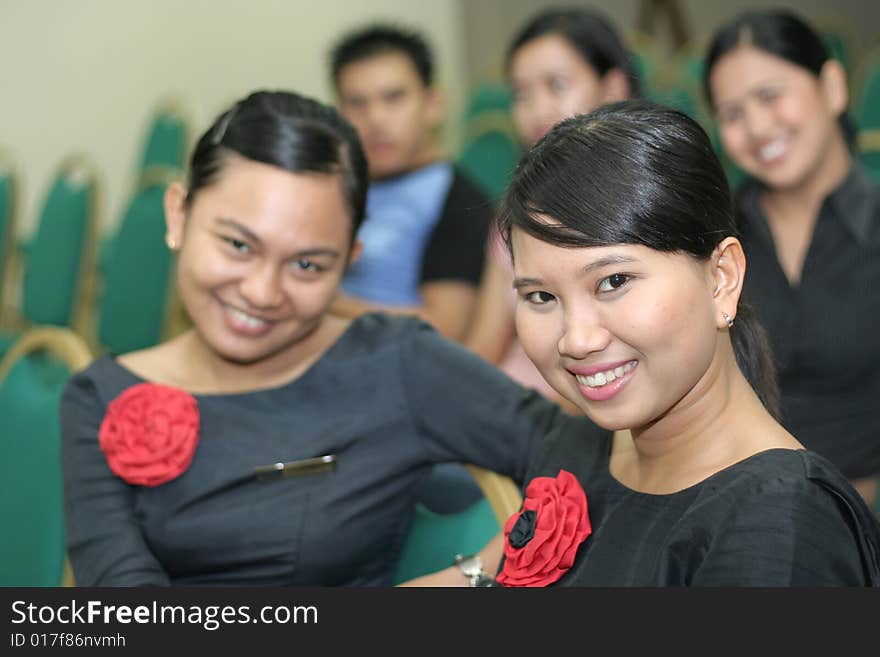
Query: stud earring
[[727, 319], [171, 244]]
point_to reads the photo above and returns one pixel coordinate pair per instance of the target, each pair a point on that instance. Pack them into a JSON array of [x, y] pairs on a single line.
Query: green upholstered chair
[[8, 234], [58, 264], [133, 302], [166, 137], [490, 152], [32, 376], [434, 539]]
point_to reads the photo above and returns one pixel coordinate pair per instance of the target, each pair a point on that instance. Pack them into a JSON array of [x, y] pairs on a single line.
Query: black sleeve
[[104, 542], [467, 410], [792, 538], [456, 249]]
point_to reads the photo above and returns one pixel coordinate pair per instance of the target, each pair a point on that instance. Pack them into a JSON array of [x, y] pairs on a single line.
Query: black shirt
[[780, 517], [824, 331]]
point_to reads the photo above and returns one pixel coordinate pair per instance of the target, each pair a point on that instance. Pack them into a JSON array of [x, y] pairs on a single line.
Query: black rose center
[[524, 529]]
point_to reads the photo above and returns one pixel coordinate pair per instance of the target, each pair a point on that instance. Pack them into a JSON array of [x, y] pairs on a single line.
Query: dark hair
[[591, 34], [635, 172], [779, 32], [289, 131], [380, 39]]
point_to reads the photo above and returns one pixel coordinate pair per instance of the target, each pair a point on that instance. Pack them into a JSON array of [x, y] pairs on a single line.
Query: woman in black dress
[[629, 272], [809, 217]]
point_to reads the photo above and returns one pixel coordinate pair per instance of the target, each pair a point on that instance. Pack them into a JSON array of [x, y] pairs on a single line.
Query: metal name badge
[[318, 464]]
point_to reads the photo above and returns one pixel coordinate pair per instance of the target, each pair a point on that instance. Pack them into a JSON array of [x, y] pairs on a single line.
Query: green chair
[[434, 539], [135, 295], [487, 97], [32, 376], [490, 153], [866, 110], [8, 227], [57, 262], [166, 137]]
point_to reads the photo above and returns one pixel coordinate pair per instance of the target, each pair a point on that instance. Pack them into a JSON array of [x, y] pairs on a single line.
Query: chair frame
[[500, 491]]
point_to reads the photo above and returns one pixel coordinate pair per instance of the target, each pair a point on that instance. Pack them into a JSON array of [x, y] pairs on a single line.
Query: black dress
[[389, 399], [778, 518]]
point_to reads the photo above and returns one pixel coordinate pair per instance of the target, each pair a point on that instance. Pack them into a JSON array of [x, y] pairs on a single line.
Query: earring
[[171, 244], [727, 319]]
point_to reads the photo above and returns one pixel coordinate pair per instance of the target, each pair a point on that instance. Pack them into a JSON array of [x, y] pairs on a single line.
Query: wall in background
[[85, 75]]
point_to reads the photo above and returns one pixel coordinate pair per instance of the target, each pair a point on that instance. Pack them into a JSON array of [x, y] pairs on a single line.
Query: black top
[[824, 330], [389, 399], [456, 249], [779, 518]]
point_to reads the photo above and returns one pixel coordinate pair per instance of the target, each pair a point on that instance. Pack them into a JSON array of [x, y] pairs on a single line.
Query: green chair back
[[489, 158], [434, 539], [32, 551], [166, 137], [136, 276], [867, 101], [7, 223], [57, 258]]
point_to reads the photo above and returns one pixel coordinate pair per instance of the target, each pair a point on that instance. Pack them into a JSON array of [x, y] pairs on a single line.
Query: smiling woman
[[275, 443], [629, 272], [810, 219]]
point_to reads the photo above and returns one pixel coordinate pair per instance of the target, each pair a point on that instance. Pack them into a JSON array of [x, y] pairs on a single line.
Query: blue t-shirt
[[401, 215]]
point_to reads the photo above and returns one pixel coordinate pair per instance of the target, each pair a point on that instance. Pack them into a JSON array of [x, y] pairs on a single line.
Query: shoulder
[[575, 444], [465, 194], [796, 492], [102, 380]]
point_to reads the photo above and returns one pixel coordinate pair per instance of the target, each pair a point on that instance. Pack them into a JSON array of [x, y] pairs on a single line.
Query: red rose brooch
[[149, 433], [542, 539]]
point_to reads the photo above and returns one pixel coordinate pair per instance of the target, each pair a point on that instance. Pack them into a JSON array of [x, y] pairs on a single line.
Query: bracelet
[[471, 566]]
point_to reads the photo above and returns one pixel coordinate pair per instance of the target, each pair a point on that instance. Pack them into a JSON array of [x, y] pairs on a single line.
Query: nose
[[583, 333], [261, 288], [757, 121]]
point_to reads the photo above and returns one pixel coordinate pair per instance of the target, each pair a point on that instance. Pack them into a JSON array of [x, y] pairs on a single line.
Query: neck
[[209, 372], [709, 429]]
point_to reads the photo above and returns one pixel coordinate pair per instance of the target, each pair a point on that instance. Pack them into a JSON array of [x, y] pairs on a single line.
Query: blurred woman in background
[[562, 62], [810, 223]]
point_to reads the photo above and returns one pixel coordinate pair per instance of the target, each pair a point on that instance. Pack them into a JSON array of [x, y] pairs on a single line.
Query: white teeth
[[772, 151], [246, 319], [603, 378]]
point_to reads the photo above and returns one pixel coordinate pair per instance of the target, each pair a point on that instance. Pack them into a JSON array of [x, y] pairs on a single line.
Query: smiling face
[[395, 114], [777, 120], [625, 332], [552, 81], [262, 252]]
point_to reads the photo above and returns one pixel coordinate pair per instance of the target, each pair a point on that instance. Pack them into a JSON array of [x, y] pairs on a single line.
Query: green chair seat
[[434, 539]]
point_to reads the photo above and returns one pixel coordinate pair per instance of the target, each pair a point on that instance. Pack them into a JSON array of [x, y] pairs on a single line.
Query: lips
[[604, 381], [245, 323]]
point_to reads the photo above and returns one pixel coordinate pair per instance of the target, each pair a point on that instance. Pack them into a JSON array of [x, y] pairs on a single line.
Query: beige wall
[[84, 75]]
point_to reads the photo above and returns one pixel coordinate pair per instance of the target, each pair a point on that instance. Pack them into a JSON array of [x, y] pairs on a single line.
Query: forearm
[[452, 576]]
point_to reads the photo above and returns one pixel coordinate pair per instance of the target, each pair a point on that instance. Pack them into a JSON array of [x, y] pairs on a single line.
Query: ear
[[355, 253], [728, 269], [175, 214], [435, 106], [832, 78], [615, 86]]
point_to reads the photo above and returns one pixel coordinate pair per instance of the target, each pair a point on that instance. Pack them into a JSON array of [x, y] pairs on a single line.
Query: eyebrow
[[751, 91], [252, 236], [606, 261]]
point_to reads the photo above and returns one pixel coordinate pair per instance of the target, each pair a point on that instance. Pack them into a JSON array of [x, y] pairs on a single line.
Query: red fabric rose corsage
[[542, 539], [149, 433]]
